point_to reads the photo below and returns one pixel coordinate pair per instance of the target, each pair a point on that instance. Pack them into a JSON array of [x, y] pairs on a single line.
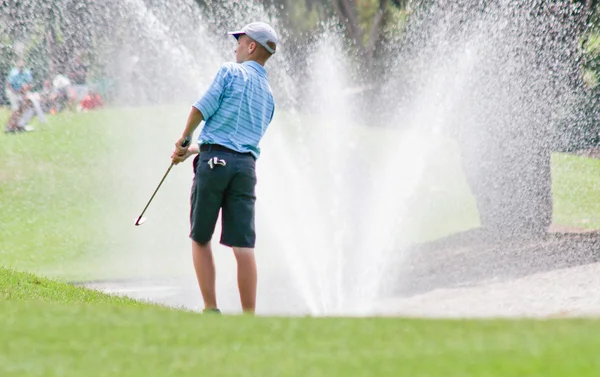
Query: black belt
[[220, 148]]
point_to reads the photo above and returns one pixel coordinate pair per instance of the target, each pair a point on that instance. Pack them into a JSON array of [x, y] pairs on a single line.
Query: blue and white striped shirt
[[237, 107]]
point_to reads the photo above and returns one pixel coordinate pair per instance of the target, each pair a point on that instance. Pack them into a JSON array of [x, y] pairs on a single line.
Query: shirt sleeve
[[210, 102], [272, 114]]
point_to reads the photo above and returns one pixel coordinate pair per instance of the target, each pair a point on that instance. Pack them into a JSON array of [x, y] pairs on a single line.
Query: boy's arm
[[181, 153], [194, 119], [211, 100], [203, 109]]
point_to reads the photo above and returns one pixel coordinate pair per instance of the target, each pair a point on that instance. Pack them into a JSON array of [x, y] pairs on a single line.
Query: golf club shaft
[[155, 191], [186, 143]]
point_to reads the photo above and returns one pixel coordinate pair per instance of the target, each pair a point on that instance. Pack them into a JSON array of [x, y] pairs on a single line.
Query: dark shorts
[[230, 189]]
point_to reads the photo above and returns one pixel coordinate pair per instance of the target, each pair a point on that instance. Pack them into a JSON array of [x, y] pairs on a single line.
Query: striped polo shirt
[[237, 107]]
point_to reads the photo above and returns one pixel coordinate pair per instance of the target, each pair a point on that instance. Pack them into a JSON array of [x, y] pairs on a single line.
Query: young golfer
[[237, 109]]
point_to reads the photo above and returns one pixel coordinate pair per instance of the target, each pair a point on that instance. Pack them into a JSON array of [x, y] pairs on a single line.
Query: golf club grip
[[186, 142]]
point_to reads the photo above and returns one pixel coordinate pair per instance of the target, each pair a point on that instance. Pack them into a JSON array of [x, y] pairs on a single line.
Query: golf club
[[140, 220]]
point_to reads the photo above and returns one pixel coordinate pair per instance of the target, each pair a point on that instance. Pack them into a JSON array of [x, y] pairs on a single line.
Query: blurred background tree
[[367, 24], [50, 33]]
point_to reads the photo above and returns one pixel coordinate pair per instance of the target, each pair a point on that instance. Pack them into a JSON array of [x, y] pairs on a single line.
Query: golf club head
[[140, 221]]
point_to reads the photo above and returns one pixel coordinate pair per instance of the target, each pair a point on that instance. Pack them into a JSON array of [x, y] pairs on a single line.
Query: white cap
[[260, 32]]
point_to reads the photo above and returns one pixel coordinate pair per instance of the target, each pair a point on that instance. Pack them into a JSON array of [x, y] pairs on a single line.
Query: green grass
[[576, 191], [57, 188], [47, 189], [53, 329], [22, 286]]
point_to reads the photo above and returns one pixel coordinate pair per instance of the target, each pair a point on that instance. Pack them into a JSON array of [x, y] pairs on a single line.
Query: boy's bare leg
[[205, 273], [247, 277]]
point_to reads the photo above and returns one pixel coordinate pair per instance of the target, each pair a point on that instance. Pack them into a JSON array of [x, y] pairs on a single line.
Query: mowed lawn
[[58, 184], [53, 196], [52, 329], [576, 191], [49, 190]]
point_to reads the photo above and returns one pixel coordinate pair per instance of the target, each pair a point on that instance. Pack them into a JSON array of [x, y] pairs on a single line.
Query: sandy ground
[[568, 292], [561, 293]]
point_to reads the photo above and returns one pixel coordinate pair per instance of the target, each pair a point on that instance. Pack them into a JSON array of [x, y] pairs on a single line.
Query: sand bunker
[[566, 292]]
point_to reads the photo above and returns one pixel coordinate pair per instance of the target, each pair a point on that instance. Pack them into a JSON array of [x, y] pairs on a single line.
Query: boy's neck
[[262, 63]]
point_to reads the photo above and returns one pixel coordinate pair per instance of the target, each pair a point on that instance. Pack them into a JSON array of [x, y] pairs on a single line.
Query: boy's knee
[[202, 245], [243, 252]]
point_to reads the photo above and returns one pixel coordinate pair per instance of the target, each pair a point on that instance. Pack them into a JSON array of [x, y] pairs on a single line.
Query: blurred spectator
[[24, 103], [62, 87], [18, 83], [91, 101], [55, 94], [31, 106]]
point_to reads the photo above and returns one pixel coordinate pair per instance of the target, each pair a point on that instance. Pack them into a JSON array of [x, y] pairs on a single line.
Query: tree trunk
[[507, 150], [348, 14]]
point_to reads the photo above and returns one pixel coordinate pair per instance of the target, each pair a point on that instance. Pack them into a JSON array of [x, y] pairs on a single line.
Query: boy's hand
[[182, 153], [182, 145]]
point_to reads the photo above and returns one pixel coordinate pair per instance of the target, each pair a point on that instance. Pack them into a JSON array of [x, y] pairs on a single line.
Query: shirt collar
[[256, 66]]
